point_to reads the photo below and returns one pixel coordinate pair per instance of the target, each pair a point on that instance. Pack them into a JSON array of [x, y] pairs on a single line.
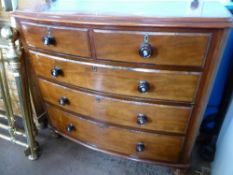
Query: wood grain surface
[[167, 85], [118, 140], [169, 48], [68, 40], [165, 118]]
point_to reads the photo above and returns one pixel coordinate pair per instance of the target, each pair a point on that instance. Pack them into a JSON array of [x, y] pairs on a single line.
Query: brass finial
[[9, 34]]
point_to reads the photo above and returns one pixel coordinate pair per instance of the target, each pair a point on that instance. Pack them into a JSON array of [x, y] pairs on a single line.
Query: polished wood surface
[[177, 86], [64, 38], [169, 48], [95, 83], [122, 141], [163, 118]]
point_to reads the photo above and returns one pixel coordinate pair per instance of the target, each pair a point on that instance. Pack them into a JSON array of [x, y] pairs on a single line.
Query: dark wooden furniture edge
[[206, 86]]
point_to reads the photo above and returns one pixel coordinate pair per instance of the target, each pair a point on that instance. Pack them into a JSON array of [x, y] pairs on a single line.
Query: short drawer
[[134, 114], [145, 83], [67, 40], [159, 48], [139, 145]]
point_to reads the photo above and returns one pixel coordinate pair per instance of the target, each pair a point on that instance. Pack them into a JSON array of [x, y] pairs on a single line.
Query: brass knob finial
[[9, 34]]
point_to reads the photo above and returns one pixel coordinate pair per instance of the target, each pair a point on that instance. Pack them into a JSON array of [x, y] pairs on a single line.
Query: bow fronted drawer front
[[133, 114], [143, 83], [136, 145], [68, 40], [159, 48]]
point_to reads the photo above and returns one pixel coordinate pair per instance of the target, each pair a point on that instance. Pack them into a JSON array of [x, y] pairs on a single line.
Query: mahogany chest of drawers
[[125, 85]]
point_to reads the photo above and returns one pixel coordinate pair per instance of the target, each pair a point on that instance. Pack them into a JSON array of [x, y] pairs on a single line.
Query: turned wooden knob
[[63, 101], [55, 72], [140, 147], [143, 86], [70, 127], [142, 119], [145, 51], [48, 40]]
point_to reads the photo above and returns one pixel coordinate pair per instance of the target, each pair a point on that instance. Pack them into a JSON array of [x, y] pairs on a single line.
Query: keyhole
[[146, 38]]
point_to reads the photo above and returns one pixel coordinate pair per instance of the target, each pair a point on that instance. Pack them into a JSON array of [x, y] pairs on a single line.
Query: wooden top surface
[[131, 13]]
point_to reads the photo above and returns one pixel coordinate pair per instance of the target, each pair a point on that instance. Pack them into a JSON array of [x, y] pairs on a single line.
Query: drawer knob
[[70, 127], [142, 119], [55, 72], [48, 40], [63, 101], [143, 86], [145, 51], [140, 147]]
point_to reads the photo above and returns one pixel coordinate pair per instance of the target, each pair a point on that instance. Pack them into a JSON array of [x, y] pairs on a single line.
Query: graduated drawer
[[139, 145], [167, 48], [67, 40], [145, 83], [119, 112]]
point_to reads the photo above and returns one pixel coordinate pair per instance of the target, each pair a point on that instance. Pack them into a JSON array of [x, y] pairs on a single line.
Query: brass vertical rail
[[7, 101], [13, 57]]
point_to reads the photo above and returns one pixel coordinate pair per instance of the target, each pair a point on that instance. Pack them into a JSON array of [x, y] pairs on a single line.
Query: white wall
[[223, 163]]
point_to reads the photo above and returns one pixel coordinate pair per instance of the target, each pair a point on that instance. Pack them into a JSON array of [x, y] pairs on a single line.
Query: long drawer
[[140, 145], [120, 112], [160, 48], [145, 83], [67, 40]]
